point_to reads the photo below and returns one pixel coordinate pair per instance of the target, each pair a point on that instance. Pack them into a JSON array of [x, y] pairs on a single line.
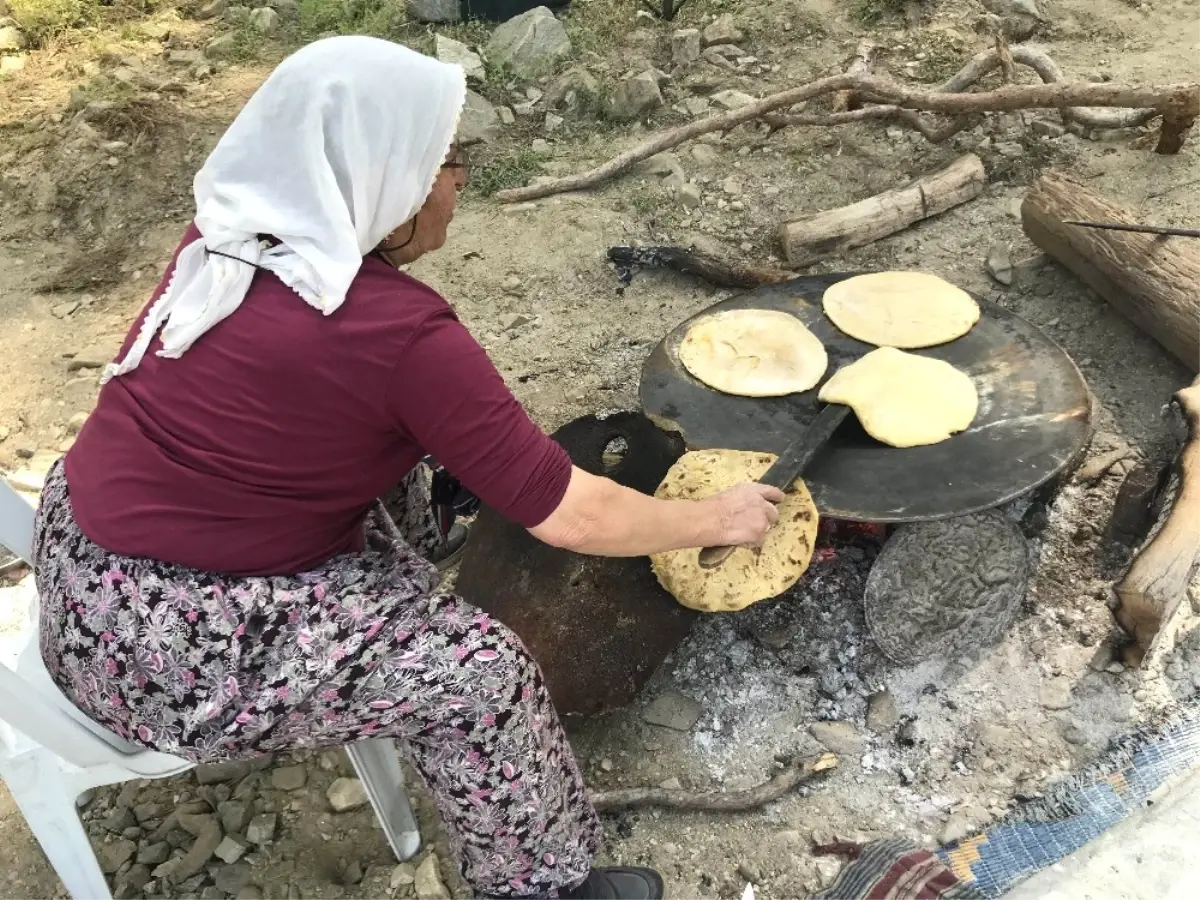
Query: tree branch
[[795, 774], [1180, 103]]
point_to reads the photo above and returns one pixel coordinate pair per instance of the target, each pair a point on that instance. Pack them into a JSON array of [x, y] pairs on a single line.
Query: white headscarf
[[337, 148]]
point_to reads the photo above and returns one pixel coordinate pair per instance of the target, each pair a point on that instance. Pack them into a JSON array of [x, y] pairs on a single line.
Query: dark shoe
[[619, 883], [456, 545]]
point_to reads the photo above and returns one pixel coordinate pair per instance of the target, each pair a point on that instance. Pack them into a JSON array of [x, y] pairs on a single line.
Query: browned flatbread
[[748, 575]]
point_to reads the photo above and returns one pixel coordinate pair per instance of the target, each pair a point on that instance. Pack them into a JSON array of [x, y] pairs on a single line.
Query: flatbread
[[753, 353], [907, 310], [748, 575], [903, 399]]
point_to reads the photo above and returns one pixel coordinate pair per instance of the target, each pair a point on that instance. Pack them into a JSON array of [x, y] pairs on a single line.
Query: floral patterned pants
[[211, 667]]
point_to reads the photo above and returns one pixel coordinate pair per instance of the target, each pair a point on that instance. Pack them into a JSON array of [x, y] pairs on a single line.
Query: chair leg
[[378, 768], [47, 801]]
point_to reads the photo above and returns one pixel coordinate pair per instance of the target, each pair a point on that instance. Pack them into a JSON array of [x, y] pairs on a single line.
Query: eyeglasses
[[457, 159]]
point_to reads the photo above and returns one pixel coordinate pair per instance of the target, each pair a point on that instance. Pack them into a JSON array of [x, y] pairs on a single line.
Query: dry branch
[[795, 774], [1154, 588], [1050, 73], [864, 64], [722, 273], [1177, 98], [831, 232]]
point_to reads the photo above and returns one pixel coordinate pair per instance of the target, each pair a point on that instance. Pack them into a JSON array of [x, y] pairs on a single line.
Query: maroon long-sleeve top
[[260, 449]]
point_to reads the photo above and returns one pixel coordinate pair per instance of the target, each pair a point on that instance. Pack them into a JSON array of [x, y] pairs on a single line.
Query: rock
[[1048, 128], [999, 264], [1055, 693], [690, 196], [428, 880], [838, 737], [570, 87], [671, 784], [234, 815], [232, 878], [705, 155], [635, 97], [231, 849], [265, 20], [118, 820], [114, 855], [672, 710], [506, 115], [1010, 149], [553, 122], [732, 186], [435, 10], [693, 106], [222, 46], [352, 872], [960, 825], [828, 868], [184, 57], [216, 773], [198, 854], [732, 99], [249, 892], [750, 872], [287, 9], [88, 359], [1013, 8], [457, 53], [346, 794], [882, 714], [214, 9], [509, 321], [289, 778], [722, 31], [402, 876], [530, 44], [261, 829], [11, 65], [154, 854], [132, 879], [11, 38], [144, 812], [238, 15], [685, 46], [478, 123], [1073, 734]]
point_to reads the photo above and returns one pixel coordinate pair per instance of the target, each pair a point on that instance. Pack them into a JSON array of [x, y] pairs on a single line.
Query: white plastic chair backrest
[[16, 522]]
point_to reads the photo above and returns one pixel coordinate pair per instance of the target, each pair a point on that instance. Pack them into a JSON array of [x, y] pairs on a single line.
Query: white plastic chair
[[51, 753]]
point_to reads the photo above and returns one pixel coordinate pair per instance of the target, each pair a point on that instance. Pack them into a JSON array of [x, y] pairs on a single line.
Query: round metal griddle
[[1034, 416]]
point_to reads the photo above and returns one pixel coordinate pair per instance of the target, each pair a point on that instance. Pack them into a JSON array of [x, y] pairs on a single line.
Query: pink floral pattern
[[211, 667]]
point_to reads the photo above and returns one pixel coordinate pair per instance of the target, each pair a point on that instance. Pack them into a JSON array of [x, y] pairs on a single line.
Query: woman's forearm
[[600, 517]]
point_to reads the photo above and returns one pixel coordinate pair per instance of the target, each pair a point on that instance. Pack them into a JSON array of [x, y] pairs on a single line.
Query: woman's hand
[[600, 517], [745, 513]]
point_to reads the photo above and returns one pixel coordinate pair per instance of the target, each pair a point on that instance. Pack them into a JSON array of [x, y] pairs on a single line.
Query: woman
[[216, 580]]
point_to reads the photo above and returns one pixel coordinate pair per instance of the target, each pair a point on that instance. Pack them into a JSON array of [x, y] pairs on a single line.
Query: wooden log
[[1150, 279], [1150, 596], [834, 231]]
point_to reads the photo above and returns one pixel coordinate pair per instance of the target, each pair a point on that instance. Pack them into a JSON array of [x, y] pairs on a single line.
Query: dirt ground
[[91, 205]]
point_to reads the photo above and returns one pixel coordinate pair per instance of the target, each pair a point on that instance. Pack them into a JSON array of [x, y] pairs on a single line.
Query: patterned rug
[[1036, 835]]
